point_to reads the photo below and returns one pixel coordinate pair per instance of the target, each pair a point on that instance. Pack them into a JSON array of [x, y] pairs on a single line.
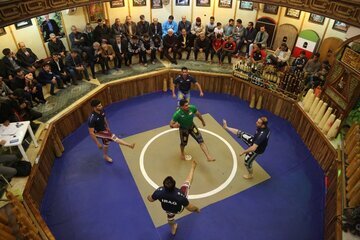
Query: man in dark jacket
[[170, 45], [102, 32], [75, 66], [184, 41], [120, 47], [55, 45], [27, 58], [155, 28], [202, 44], [143, 27], [250, 35]]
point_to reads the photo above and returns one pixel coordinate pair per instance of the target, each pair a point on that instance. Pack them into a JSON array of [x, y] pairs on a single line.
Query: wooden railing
[[115, 91]]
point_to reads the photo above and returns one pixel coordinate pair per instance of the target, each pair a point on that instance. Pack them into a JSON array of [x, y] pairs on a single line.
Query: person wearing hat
[[102, 31], [143, 27], [197, 28], [169, 24], [170, 46]]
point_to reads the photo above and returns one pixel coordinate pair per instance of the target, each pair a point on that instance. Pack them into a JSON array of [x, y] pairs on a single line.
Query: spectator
[[155, 28], [229, 28], [299, 62], [147, 49], [46, 76], [169, 24], [261, 37], [55, 45], [11, 63], [27, 58], [202, 44], [229, 47], [197, 28], [117, 29], [250, 35], [184, 24], [280, 57], [130, 28], [170, 45], [134, 48], [77, 40], [184, 44], [4, 89], [34, 88], [102, 32], [120, 47], [48, 27], [89, 35], [6, 160], [58, 67], [95, 57], [313, 65], [158, 46], [76, 67], [239, 35], [108, 55], [219, 29], [143, 27], [209, 28], [257, 56], [216, 45]]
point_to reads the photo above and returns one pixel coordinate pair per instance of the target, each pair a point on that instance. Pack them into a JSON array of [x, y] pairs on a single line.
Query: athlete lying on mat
[[99, 128]]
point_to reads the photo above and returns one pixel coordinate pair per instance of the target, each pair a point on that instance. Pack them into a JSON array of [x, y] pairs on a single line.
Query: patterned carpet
[[63, 99]]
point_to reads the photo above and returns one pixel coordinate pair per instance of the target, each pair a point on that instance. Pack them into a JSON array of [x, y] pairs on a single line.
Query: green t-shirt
[[185, 119]]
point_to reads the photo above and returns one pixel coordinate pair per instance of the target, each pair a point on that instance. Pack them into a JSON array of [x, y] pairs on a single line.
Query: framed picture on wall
[[117, 3], [225, 3], [272, 9], [23, 24], [203, 3], [340, 26], [156, 4], [246, 5], [293, 13], [95, 11], [2, 31], [139, 3], [56, 22], [314, 18], [182, 2]]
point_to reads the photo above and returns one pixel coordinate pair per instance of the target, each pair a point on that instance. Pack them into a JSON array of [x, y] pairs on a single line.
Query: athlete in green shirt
[[183, 119]]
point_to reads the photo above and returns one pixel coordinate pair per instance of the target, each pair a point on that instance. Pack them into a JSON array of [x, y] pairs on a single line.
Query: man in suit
[[143, 27], [170, 43], [11, 63], [55, 45], [49, 26], [130, 28], [95, 57], [184, 41], [27, 58], [261, 38], [117, 29], [120, 47], [58, 67], [108, 55], [250, 34], [75, 66], [155, 28], [184, 24], [102, 31]]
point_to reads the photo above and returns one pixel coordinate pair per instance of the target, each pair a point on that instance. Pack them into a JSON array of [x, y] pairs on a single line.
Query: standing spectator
[[120, 47], [169, 24], [216, 45], [134, 48], [261, 37], [102, 32], [130, 28], [228, 49], [250, 35], [184, 44], [155, 28], [202, 44], [239, 35], [209, 28], [46, 76], [27, 58], [75, 66], [170, 45], [143, 27], [49, 26], [108, 55], [229, 28], [184, 24], [55, 45], [58, 67]]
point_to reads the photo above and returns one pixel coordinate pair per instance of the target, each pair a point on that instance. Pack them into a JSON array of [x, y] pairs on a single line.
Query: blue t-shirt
[[173, 202], [97, 121]]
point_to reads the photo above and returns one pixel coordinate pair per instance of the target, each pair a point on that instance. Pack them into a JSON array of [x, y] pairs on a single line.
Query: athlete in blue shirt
[[174, 200], [99, 128], [257, 143]]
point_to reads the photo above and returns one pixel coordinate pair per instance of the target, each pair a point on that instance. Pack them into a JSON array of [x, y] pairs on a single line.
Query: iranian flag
[[307, 41]]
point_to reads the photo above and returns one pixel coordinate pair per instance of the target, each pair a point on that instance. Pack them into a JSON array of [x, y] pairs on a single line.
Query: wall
[[13, 36]]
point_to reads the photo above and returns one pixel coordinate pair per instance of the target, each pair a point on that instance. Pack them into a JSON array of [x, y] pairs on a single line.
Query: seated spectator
[[4, 89], [27, 58], [219, 29], [318, 78], [11, 63], [117, 29], [229, 28], [261, 37], [184, 44], [120, 47], [34, 89], [77, 40], [142, 27], [18, 82], [130, 28], [229, 47], [202, 44], [170, 45], [21, 109], [75, 66], [134, 48], [46, 76], [250, 36], [258, 56], [108, 55], [147, 49], [313, 65], [209, 29], [169, 24], [158, 46], [197, 28], [239, 35], [95, 57], [280, 57], [155, 28], [184, 24], [58, 67], [102, 31], [89, 35], [216, 47], [299, 63], [6, 160], [55, 45]]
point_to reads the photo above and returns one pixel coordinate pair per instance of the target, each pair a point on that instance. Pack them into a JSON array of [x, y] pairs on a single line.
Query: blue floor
[[87, 198]]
